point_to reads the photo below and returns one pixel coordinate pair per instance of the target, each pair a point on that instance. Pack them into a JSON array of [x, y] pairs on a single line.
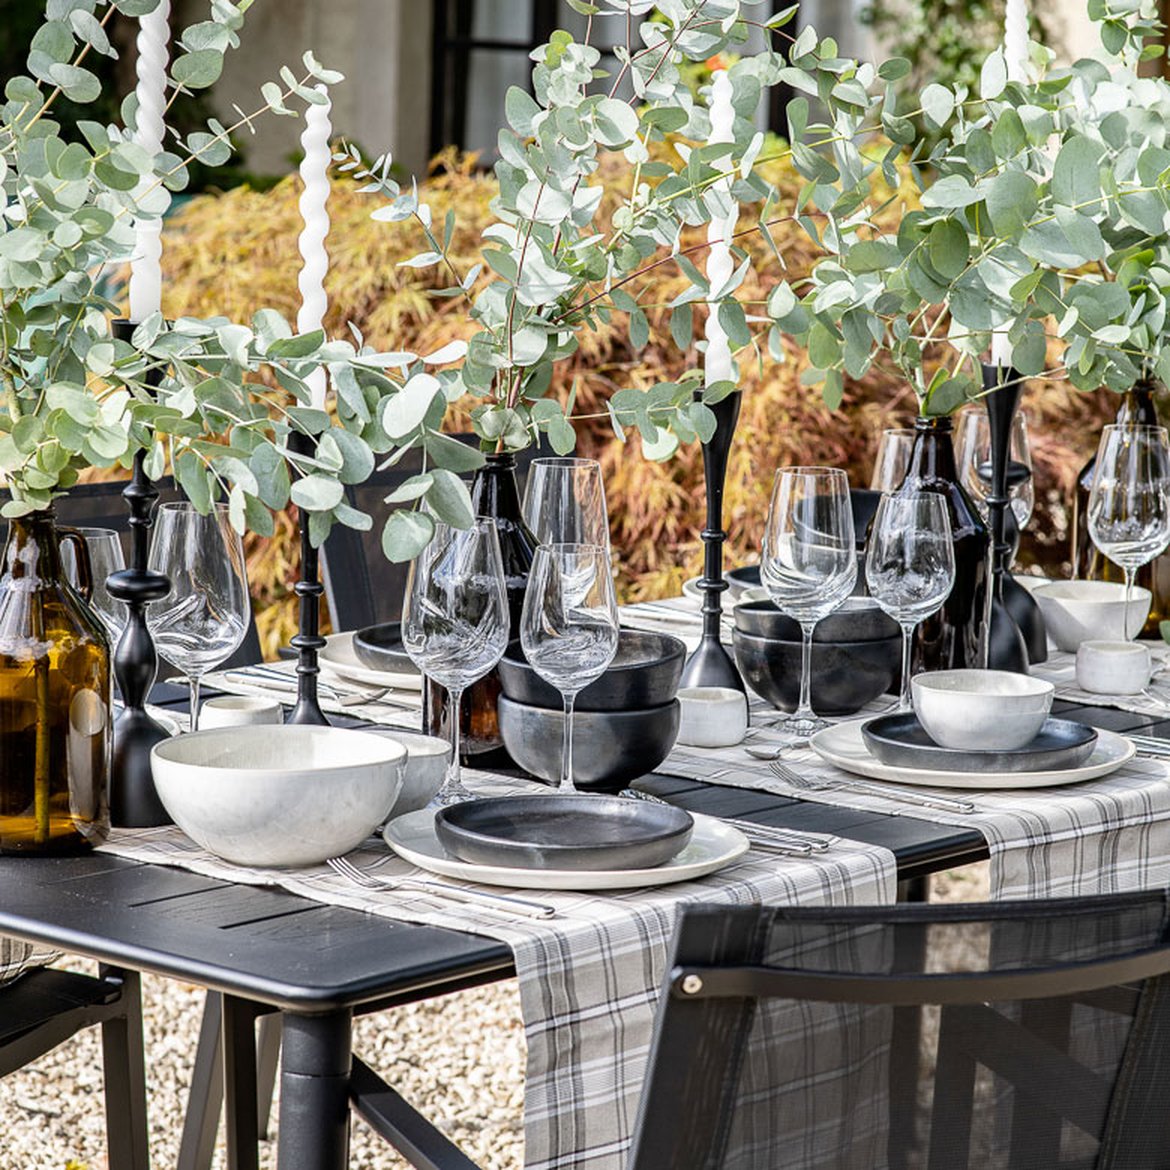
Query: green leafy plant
[[189, 394]]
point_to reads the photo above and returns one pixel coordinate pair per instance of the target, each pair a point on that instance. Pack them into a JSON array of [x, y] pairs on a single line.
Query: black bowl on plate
[[645, 672], [610, 748], [857, 620], [845, 675], [564, 832], [380, 648]]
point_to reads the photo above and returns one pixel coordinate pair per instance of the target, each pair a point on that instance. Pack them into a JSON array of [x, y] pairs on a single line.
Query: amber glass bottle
[[494, 494], [1138, 407], [954, 637], [55, 714]]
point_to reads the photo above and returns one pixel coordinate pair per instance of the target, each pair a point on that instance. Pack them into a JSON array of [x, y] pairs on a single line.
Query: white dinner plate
[[843, 745], [339, 657], [712, 846], [164, 719]]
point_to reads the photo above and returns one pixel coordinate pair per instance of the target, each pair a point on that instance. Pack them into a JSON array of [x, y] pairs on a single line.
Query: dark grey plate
[[564, 832], [900, 740], [380, 648]]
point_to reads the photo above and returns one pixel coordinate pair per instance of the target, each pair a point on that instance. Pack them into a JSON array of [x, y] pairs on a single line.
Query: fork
[[946, 803], [500, 903]]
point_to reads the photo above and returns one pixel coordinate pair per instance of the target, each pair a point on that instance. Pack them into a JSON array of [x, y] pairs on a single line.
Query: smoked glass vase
[[55, 713]]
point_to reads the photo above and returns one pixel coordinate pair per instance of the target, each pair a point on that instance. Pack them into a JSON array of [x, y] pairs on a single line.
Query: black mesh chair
[[363, 588], [1045, 1039], [100, 505]]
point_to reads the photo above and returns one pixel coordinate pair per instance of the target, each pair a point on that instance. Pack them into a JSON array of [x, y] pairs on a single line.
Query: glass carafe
[[55, 713]]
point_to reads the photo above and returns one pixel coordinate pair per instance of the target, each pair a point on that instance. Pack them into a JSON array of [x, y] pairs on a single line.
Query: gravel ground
[[53, 1112]]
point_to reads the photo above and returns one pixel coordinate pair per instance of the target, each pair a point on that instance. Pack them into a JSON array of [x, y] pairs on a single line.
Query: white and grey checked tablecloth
[[589, 978]]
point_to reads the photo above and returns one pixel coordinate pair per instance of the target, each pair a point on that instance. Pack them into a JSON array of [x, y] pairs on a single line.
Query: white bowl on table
[[981, 710], [1090, 611], [426, 766], [265, 795]]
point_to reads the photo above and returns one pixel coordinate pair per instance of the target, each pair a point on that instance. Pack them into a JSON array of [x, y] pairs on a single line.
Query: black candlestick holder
[[307, 641], [1007, 648], [134, 802], [710, 665]]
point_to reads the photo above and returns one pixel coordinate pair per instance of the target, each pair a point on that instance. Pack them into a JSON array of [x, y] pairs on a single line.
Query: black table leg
[[125, 1085], [313, 1131]]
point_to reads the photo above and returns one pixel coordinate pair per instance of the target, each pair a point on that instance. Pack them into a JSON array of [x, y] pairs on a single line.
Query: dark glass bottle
[[1137, 407], [494, 494], [953, 638], [55, 713]]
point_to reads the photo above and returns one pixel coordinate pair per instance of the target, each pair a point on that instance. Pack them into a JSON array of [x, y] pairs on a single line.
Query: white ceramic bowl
[[426, 765], [1084, 611], [268, 795], [1113, 668], [239, 711], [981, 710], [712, 716]]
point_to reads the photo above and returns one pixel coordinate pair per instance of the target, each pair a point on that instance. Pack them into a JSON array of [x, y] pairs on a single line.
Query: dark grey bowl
[[380, 648], [858, 620], [587, 832], [644, 673], [610, 748], [845, 675]]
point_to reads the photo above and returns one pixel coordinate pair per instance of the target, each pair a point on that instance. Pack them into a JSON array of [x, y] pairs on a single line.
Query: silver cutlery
[[500, 903], [946, 803], [346, 696]]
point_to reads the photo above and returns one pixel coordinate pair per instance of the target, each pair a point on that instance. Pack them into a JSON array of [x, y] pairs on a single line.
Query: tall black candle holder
[[710, 665], [307, 641], [134, 802], [1006, 645]]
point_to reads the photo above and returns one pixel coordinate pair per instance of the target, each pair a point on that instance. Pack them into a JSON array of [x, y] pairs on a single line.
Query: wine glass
[[892, 460], [973, 446], [910, 565], [1129, 502], [569, 626], [809, 561], [105, 557], [455, 620], [206, 614], [564, 502]]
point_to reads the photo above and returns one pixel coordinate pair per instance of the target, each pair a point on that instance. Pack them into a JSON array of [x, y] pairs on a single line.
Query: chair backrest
[[1030, 1035], [100, 505], [362, 587]]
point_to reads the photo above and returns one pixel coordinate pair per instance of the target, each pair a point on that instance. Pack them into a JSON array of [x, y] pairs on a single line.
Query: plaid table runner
[[1154, 701], [589, 978]]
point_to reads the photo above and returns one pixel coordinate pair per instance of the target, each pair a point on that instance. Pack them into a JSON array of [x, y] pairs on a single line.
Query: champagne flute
[[809, 561], [910, 565], [973, 448], [892, 460], [564, 502], [455, 621], [205, 616], [569, 627], [1129, 502]]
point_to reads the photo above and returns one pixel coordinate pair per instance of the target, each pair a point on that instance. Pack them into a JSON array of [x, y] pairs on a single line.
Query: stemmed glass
[[892, 460], [910, 565], [1129, 503], [455, 620], [809, 562], [105, 557], [564, 502], [569, 626], [973, 446], [206, 614]]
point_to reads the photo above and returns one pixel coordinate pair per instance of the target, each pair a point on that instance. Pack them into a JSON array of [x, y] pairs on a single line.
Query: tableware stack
[[855, 655], [626, 721]]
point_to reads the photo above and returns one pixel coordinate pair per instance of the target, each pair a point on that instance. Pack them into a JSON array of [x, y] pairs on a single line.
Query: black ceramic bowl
[[611, 749], [380, 648], [857, 620], [845, 675], [644, 673]]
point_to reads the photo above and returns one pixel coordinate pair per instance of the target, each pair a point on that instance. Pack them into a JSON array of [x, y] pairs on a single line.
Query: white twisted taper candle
[[314, 212], [1015, 38], [154, 35], [718, 365]]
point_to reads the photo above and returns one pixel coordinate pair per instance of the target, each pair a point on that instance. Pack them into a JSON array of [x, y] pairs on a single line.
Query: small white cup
[[1113, 668], [239, 711], [712, 716]]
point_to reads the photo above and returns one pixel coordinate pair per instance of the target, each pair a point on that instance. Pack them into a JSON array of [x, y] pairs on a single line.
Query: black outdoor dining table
[[266, 949]]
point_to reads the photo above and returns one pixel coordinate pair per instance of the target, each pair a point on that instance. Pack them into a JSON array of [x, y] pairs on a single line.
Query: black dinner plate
[[380, 648], [900, 740], [564, 832]]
